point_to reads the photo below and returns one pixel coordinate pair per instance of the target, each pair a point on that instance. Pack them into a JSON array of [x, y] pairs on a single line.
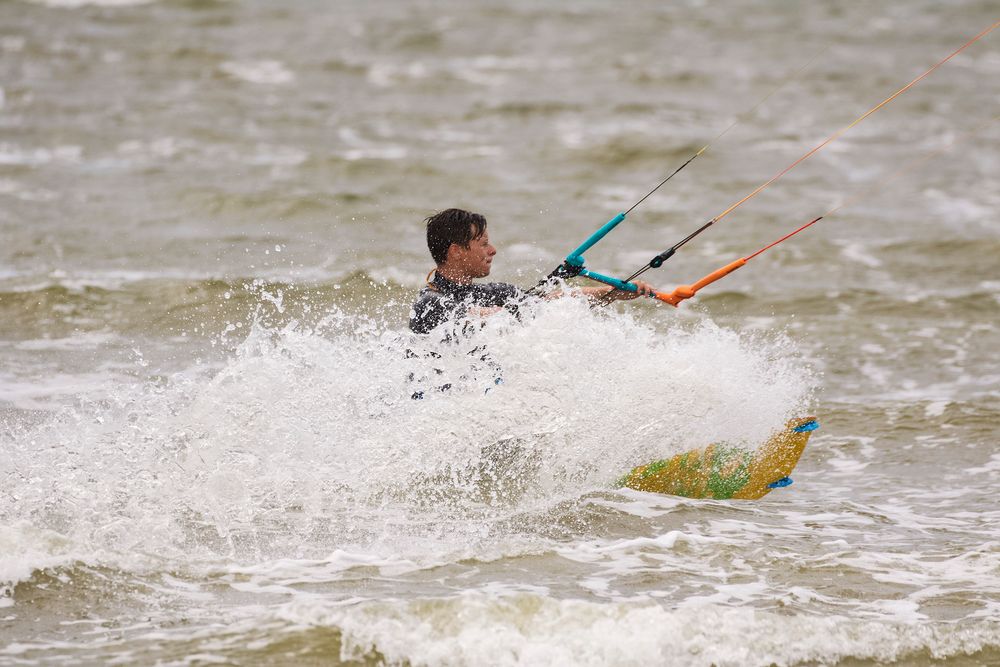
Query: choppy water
[[210, 216]]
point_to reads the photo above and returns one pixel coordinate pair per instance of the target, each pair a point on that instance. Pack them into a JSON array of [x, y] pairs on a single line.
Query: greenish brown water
[[210, 216]]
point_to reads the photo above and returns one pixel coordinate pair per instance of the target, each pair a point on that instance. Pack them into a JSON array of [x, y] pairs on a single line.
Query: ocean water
[[210, 215]]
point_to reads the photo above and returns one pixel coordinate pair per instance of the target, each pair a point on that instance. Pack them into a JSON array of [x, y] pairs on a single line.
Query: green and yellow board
[[722, 471]]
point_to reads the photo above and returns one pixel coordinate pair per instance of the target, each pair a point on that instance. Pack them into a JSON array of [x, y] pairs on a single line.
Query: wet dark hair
[[452, 226]]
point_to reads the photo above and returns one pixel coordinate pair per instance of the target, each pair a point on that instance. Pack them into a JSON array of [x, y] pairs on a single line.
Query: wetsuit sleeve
[[504, 294], [508, 296]]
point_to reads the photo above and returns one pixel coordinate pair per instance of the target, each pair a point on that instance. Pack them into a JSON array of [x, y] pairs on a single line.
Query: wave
[[74, 4], [540, 630], [308, 435], [149, 302], [532, 628], [858, 301]]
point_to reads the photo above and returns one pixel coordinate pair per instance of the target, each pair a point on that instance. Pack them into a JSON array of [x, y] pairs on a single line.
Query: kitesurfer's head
[[459, 244]]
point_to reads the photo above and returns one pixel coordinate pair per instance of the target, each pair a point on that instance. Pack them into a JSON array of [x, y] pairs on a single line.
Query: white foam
[[11, 154], [52, 391], [530, 630], [641, 504], [856, 251], [991, 467], [668, 541], [489, 71], [322, 419], [78, 281], [263, 72], [15, 189], [288, 571], [385, 74], [958, 209], [936, 408], [25, 548], [472, 152], [82, 341], [162, 148], [74, 4], [13, 43], [278, 156]]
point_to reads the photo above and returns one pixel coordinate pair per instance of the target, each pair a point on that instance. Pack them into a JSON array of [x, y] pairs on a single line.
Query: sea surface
[[210, 237]]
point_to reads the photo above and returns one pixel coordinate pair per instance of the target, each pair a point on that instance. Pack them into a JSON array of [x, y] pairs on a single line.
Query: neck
[[453, 274]]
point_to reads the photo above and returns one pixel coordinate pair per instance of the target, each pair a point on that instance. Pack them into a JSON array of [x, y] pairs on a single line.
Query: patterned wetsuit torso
[[445, 299]]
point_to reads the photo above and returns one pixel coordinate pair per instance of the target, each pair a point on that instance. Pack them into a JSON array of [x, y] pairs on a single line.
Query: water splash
[[308, 438]]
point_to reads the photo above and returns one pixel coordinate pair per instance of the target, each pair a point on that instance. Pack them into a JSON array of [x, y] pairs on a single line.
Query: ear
[[451, 253]]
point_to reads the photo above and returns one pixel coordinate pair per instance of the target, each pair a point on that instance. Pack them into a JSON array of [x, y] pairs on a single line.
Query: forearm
[[595, 293], [607, 293], [604, 292], [592, 293]]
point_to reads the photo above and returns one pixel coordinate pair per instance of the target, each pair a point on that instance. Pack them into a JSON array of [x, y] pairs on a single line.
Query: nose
[[491, 251]]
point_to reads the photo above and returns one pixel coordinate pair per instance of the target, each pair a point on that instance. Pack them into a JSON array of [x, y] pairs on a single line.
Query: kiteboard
[[726, 472]]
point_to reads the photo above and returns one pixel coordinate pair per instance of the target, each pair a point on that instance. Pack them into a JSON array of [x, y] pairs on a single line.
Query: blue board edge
[[810, 425]]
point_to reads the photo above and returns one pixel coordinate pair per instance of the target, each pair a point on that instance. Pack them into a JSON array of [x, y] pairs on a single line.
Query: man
[[461, 249]]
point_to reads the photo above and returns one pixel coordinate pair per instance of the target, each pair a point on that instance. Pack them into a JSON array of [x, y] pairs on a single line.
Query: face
[[475, 260]]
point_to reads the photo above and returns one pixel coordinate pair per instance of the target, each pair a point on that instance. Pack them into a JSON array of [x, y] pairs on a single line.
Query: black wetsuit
[[445, 299]]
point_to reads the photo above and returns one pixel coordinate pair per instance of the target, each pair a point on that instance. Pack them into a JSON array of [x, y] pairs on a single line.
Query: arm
[[607, 293]]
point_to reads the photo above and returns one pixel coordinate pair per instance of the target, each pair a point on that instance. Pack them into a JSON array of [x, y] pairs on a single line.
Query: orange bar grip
[[715, 275], [687, 291], [675, 297]]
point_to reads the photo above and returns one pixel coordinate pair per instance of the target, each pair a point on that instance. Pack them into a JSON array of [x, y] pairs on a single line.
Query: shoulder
[[427, 296], [429, 310]]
